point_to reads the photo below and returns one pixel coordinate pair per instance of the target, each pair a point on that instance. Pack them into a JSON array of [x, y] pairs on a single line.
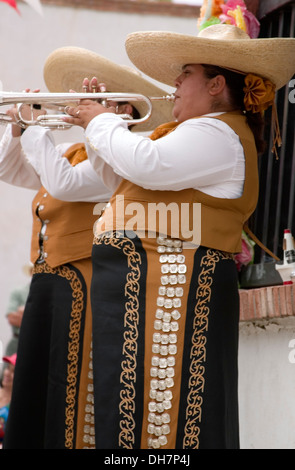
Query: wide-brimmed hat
[[66, 67], [161, 54]]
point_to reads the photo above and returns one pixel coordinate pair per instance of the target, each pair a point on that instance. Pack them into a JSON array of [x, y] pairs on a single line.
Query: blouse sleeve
[[198, 153], [62, 180], [15, 169]]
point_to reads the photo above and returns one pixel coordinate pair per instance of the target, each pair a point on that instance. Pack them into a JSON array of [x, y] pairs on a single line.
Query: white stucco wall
[[267, 384], [267, 377]]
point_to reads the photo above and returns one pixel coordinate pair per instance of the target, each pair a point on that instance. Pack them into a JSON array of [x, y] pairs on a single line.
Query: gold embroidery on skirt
[[131, 319], [73, 344], [198, 350]]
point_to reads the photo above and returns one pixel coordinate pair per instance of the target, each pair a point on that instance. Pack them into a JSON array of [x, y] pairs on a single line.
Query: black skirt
[[51, 406], [165, 345]]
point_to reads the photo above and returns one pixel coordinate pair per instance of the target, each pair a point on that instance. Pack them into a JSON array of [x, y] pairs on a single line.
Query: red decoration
[[12, 3]]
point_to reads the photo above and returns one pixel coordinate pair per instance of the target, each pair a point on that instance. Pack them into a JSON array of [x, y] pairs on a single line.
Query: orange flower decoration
[[259, 93], [259, 96], [216, 8]]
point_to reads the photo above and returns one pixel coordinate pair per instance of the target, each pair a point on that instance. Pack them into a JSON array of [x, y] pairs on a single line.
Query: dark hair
[[236, 82], [135, 112]]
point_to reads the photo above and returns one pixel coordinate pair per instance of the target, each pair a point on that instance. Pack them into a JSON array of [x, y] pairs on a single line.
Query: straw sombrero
[[161, 55], [66, 67]]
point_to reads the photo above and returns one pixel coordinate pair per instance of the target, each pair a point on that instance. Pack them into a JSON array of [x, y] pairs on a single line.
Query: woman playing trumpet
[[165, 302]]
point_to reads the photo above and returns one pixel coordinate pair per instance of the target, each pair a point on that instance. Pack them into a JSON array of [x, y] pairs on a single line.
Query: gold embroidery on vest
[[73, 344], [128, 375], [198, 350]]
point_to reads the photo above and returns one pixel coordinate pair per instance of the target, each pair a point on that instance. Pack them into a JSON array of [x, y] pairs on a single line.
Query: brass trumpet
[[61, 100]]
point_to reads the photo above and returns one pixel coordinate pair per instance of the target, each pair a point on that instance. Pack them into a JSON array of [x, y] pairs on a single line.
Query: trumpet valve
[[103, 89]]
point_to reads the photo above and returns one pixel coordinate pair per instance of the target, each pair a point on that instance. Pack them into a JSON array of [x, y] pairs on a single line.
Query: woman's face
[[192, 96], [8, 375]]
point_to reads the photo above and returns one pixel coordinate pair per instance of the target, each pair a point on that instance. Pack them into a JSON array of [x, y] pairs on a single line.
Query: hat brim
[[66, 67], [161, 55]]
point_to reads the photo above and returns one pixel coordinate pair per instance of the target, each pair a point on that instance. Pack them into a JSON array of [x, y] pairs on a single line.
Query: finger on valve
[[94, 84], [85, 85]]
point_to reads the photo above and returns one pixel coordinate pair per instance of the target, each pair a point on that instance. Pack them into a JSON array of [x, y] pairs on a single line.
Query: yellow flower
[[238, 16]]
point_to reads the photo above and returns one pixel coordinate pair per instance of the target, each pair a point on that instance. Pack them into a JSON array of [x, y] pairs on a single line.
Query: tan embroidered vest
[[209, 221], [67, 226]]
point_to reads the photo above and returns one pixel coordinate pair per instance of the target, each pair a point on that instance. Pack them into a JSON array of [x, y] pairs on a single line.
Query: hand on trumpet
[[26, 111], [88, 108]]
